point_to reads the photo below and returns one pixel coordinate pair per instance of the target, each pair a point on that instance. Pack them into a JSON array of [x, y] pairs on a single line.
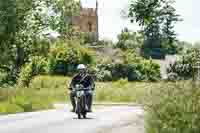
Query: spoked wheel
[[78, 110]]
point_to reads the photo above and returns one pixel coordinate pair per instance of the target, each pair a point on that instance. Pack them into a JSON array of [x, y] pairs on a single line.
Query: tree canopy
[[157, 19]]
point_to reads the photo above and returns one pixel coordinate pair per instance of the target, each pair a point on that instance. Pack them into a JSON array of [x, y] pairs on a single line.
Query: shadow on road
[[89, 118]]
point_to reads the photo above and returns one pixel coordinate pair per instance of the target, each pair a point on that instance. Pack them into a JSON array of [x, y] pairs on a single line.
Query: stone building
[[87, 21]]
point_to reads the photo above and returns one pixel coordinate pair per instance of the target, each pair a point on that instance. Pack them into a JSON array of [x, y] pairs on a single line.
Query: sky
[[111, 21]]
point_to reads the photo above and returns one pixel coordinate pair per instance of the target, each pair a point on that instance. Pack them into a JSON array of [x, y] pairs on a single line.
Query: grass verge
[[46, 90]]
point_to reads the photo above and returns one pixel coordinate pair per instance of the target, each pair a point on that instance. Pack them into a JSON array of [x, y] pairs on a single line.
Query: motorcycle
[[81, 101]]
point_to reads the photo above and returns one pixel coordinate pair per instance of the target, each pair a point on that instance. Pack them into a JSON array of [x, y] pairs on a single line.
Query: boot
[[73, 102], [89, 103]]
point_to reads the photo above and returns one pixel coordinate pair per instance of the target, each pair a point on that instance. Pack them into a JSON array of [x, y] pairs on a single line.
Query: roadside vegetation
[[35, 68], [44, 91], [173, 108]]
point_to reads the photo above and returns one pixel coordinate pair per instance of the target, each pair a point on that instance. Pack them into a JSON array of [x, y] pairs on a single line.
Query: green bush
[[129, 40], [88, 38], [3, 76], [113, 72], [134, 68], [145, 69], [37, 65], [172, 77], [149, 70], [182, 67], [64, 57], [124, 71], [174, 108], [104, 76]]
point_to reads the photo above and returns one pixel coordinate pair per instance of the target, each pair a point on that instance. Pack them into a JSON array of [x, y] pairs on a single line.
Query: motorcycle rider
[[87, 81]]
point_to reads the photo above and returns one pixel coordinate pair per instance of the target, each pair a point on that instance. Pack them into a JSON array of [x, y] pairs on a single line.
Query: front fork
[[81, 104]]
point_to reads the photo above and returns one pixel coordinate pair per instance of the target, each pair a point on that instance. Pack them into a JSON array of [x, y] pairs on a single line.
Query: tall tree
[[7, 31], [147, 14], [64, 10], [157, 19], [22, 23], [168, 33]]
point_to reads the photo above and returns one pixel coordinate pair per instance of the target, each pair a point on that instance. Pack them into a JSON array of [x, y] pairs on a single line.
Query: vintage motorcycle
[[81, 101]]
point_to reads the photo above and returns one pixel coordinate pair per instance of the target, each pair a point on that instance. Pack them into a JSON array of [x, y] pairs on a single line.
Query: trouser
[[89, 98]]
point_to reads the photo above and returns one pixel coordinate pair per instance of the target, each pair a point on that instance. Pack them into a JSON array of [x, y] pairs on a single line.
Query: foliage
[[173, 108], [3, 76], [157, 19], [168, 33], [119, 91], [88, 38], [183, 67], [37, 65], [15, 100], [182, 70], [105, 42], [64, 57], [133, 68], [149, 70], [63, 11], [17, 44], [129, 40], [146, 69], [172, 76], [104, 75], [45, 90]]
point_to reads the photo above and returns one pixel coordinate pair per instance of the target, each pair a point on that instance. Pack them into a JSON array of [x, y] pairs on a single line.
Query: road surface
[[116, 119]]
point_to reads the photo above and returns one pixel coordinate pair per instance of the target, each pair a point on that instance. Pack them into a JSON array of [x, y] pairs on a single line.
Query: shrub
[[88, 38], [149, 70], [113, 72], [37, 65], [104, 76], [172, 77], [3, 76], [129, 40], [133, 68], [124, 71], [183, 66], [174, 108], [64, 57], [105, 43], [144, 70]]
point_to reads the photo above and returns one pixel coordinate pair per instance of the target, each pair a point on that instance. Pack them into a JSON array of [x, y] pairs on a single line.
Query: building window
[[90, 26]]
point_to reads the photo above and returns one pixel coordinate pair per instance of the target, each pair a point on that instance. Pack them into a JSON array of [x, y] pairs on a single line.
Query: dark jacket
[[86, 81]]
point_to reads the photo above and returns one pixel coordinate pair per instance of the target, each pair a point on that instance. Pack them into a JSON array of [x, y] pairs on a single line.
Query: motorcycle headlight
[[80, 93]]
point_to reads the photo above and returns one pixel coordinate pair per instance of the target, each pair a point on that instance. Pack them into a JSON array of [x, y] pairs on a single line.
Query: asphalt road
[[116, 119]]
